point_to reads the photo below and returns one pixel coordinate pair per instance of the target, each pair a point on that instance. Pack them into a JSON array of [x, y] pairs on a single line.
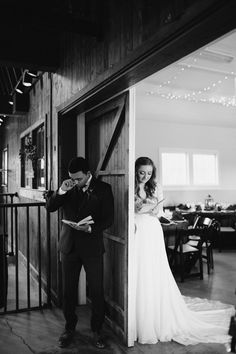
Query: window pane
[[205, 169], [32, 167], [175, 169]]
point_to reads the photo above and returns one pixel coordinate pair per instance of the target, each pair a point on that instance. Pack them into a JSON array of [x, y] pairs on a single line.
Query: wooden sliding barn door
[[106, 129]]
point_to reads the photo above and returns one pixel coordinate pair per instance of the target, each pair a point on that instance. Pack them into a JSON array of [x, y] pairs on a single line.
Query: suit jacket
[[98, 202]]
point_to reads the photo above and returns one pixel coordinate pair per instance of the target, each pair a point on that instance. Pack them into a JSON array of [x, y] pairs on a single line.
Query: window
[[189, 168], [205, 169], [26, 165], [5, 167], [175, 169], [39, 140], [32, 159]]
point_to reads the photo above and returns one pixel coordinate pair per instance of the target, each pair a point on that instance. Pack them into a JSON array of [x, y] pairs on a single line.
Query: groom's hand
[[67, 185], [84, 228]]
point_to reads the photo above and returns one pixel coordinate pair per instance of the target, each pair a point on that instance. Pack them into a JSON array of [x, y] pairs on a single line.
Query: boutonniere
[[89, 191]]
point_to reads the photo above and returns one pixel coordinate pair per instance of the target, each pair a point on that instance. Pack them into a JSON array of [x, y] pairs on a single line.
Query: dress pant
[[71, 267]]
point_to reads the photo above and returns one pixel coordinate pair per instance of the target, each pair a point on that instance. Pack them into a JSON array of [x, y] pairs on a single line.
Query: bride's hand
[[154, 211]]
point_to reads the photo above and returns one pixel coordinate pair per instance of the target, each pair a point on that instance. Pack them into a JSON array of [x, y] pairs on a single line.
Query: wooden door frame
[[131, 224], [170, 44], [121, 107], [161, 51]]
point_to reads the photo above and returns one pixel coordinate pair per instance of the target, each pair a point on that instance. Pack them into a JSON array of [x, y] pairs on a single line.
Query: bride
[[161, 312]]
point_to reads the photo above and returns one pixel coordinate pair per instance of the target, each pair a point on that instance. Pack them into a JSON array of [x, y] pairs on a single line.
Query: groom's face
[[80, 178]]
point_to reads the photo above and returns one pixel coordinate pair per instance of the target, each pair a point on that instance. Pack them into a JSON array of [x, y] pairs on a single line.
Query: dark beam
[[4, 81], [34, 36], [5, 107], [15, 76], [2, 88], [9, 78]]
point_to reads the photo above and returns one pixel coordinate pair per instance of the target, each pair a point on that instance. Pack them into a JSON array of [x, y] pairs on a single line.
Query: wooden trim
[[114, 238], [112, 173], [117, 329], [104, 107], [109, 147], [32, 127], [115, 306], [35, 194], [130, 305], [81, 134], [170, 44]]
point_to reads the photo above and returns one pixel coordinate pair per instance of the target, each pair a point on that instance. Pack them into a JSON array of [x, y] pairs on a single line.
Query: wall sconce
[[10, 100], [27, 79], [20, 88], [32, 73]]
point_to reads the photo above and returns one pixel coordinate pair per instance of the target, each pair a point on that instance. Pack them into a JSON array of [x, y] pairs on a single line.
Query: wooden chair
[[223, 232], [211, 227], [194, 221], [213, 233], [183, 256]]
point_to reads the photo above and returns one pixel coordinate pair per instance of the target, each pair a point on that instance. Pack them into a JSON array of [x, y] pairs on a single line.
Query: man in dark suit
[[81, 196]]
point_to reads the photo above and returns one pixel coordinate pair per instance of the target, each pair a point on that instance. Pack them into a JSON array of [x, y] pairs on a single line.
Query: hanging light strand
[[195, 95]]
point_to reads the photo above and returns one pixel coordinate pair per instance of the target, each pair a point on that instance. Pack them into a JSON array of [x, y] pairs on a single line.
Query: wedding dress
[[161, 313]]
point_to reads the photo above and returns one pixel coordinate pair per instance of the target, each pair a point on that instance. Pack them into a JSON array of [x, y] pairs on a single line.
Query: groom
[[80, 196]]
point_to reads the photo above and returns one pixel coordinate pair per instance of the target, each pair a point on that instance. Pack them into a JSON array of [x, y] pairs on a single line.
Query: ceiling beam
[[4, 81], [2, 88], [9, 78], [5, 107]]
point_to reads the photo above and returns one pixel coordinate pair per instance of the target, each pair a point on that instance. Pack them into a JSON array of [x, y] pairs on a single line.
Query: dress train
[[161, 313]]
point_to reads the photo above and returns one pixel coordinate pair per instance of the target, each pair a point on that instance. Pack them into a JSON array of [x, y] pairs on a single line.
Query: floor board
[[38, 331]]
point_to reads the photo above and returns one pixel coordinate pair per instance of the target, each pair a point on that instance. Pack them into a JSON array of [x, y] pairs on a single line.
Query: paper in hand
[[85, 221]]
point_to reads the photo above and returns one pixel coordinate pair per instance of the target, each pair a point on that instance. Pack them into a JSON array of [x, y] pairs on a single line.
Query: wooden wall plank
[[131, 30]]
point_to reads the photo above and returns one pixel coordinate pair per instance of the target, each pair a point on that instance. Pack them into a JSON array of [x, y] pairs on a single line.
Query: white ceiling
[[199, 89]]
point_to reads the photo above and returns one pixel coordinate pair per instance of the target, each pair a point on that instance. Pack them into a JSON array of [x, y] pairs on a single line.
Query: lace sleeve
[[138, 203]]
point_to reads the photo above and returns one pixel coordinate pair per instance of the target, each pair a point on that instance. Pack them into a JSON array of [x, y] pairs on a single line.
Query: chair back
[[202, 222], [196, 221], [184, 235], [207, 222], [214, 229]]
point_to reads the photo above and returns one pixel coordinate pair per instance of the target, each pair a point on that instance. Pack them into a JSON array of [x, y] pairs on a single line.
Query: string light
[[194, 96]]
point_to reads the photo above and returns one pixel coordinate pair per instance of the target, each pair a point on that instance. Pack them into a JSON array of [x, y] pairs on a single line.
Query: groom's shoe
[[66, 338], [98, 341]]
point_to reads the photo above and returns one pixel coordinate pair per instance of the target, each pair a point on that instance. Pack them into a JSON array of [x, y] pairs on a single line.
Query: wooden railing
[[25, 261], [4, 217], [6, 196]]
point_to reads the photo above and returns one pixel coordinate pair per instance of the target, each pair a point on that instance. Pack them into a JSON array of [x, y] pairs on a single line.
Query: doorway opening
[[185, 122]]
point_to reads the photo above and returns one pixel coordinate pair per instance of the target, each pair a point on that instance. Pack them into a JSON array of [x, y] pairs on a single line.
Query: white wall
[[152, 134]]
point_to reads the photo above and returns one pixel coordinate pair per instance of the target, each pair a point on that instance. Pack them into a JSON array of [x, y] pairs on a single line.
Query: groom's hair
[[78, 164]]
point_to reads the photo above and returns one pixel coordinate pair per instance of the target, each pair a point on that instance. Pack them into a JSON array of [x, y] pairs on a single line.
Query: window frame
[[190, 153], [32, 133], [213, 153], [4, 179]]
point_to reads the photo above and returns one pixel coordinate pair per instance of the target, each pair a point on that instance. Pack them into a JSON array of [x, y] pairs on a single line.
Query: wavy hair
[[150, 186]]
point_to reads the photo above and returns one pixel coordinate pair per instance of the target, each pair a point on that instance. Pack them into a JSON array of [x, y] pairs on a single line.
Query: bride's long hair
[[150, 186]]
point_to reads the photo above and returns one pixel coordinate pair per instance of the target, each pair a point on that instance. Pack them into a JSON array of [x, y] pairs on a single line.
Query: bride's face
[[144, 173]]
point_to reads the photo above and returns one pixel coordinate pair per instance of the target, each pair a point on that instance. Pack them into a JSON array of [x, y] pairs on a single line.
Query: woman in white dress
[[161, 312]]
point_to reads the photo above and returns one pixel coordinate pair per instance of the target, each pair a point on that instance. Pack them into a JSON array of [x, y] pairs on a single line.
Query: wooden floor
[[38, 331]]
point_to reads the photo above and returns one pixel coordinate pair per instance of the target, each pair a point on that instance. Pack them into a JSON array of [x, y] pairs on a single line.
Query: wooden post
[[81, 152]]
